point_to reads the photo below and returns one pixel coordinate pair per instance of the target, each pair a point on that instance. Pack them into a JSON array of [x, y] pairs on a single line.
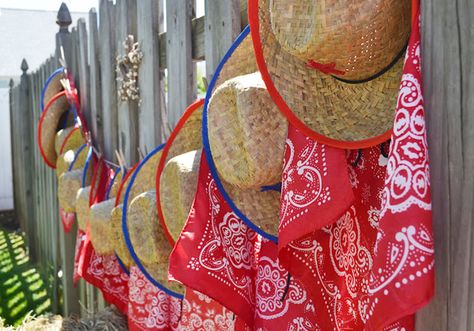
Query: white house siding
[[6, 188]]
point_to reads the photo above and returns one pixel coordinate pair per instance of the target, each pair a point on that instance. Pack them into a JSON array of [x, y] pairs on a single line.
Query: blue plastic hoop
[[207, 147], [126, 234]]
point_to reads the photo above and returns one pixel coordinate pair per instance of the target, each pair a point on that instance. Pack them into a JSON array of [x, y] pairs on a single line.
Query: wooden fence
[[90, 55], [448, 75]]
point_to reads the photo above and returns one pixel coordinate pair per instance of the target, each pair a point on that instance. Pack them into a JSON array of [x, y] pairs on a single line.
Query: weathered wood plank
[[448, 74], [107, 72], [149, 120], [181, 82], [83, 70], [127, 110], [198, 46], [95, 97], [222, 26]]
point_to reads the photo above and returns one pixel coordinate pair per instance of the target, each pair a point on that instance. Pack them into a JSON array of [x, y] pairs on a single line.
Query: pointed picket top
[[64, 17], [24, 66]]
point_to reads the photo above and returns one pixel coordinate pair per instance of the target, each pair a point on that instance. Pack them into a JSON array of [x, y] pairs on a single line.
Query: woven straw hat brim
[[258, 209], [247, 132], [48, 125], [178, 185], [67, 139], [51, 87], [330, 111], [71, 160], [188, 129], [143, 232], [115, 230], [120, 247]]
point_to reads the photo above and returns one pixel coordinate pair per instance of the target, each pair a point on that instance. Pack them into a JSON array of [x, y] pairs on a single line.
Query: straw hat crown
[[247, 132], [360, 38]]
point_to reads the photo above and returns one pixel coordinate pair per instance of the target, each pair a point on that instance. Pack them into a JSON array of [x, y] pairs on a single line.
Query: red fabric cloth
[[104, 272], [150, 308], [219, 256], [67, 219], [201, 313], [372, 268], [80, 239]]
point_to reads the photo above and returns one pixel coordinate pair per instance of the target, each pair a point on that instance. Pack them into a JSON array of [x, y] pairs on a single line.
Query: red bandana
[[104, 272], [201, 313], [373, 266], [149, 307], [67, 219], [218, 255]]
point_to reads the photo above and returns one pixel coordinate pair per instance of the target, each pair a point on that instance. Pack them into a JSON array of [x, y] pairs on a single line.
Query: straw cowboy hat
[[244, 139], [48, 127], [71, 159], [185, 138], [142, 180], [67, 139], [100, 216], [143, 232], [70, 182], [85, 195], [114, 227], [52, 86], [178, 187], [333, 69]]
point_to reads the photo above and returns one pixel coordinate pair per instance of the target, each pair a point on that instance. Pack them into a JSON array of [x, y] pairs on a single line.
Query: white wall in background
[[6, 186]]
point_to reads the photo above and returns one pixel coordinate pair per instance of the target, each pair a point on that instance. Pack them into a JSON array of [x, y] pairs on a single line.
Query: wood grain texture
[[95, 96], [448, 75], [83, 69], [149, 119], [222, 26], [181, 81], [107, 49], [126, 11]]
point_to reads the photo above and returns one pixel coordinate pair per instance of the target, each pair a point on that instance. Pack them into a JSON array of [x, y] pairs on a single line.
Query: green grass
[[22, 288]]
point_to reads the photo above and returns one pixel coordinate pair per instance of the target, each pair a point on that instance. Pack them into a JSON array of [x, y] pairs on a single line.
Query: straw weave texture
[[146, 233], [338, 110], [189, 138], [361, 37], [64, 160], [68, 184], [247, 133], [82, 207], [54, 87], [120, 246], [75, 140], [178, 187], [50, 126], [262, 208], [100, 227]]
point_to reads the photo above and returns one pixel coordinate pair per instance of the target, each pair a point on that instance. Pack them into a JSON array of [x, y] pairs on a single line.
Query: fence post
[[107, 73], [67, 241], [127, 110], [15, 172], [63, 37], [149, 120], [181, 81], [95, 100], [25, 169], [222, 26]]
